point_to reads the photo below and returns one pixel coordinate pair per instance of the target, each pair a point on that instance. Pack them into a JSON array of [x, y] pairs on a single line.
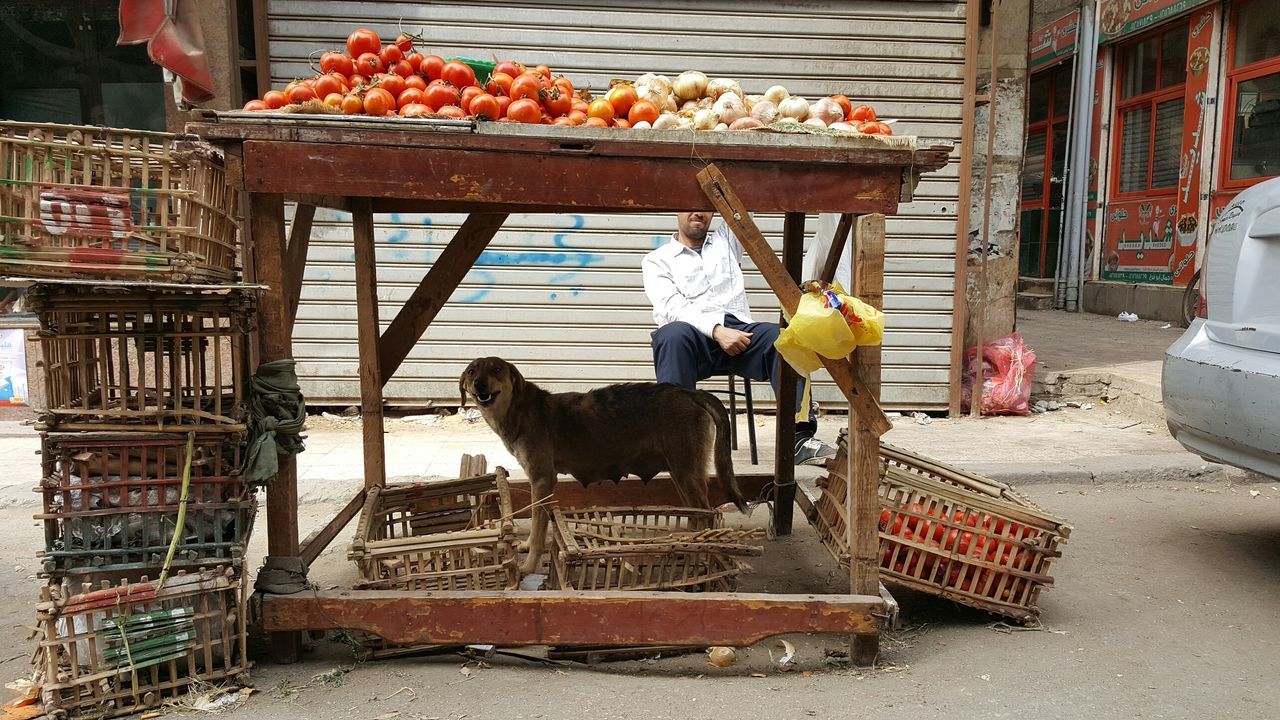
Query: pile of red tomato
[[371, 78], [946, 540]]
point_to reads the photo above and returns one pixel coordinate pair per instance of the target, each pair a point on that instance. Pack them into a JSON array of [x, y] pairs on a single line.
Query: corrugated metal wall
[[561, 295]]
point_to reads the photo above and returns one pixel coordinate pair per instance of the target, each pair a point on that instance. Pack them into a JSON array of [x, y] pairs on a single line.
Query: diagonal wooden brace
[[726, 202]]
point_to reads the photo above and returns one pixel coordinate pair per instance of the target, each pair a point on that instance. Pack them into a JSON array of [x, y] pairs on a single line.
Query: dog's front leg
[[542, 490]]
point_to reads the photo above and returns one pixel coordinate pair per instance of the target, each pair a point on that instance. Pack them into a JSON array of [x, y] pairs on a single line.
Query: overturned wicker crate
[[144, 359], [648, 548], [116, 649], [453, 535], [105, 203], [949, 533], [111, 502]]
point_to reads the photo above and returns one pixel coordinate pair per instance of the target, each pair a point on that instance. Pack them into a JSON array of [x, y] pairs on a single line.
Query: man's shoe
[[813, 451]]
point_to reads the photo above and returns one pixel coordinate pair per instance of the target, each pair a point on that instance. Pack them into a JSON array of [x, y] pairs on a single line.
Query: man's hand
[[733, 342]]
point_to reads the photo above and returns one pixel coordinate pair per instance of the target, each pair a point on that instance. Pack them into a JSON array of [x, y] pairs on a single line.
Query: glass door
[[1043, 170]]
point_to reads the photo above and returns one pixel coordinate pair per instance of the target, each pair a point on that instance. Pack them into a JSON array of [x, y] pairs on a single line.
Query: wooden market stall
[[489, 170]]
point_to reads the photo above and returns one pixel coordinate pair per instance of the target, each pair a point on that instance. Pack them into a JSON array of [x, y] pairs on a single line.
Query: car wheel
[[1191, 300]]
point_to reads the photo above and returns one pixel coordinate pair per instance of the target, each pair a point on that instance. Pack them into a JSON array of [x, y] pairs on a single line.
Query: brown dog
[[637, 429]]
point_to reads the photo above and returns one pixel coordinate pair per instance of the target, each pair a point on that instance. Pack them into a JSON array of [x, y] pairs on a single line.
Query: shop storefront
[[1186, 114]]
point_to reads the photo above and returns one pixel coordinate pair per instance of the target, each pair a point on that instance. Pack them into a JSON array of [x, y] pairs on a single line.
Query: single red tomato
[[621, 122], [458, 73], [863, 113], [401, 68], [509, 67], [391, 55], [452, 111], [499, 84], [301, 93], [275, 99], [564, 85], [544, 71], [415, 81], [643, 111], [869, 128], [369, 64], [333, 99], [356, 80], [414, 110], [504, 102], [558, 104], [404, 41], [596, 121], [525, 110], [526, 85], [441, 94], [486, 106], [432, 66], [884, 128], [410, 96], [468, 93], [415, 60], [578, 117], [376, 103], [581, 105], [563, 121], [255, 106], [336, 62], [392, 83], [622, 96], [326, 84], [363, 40], [352, 105], [846, 107]]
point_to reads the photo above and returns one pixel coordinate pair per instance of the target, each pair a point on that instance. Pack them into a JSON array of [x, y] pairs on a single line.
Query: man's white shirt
[[698, 288]]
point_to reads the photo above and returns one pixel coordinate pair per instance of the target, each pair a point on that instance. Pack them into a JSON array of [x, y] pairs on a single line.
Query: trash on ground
[[1008, 366], [787, 661], [722, 656], [1127, 317]]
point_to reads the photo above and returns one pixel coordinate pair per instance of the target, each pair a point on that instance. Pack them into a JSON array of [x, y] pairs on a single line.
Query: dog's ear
[[517, 380], [462, 387]]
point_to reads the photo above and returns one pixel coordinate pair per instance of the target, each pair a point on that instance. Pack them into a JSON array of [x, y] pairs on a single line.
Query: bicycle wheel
[[1191, 300]]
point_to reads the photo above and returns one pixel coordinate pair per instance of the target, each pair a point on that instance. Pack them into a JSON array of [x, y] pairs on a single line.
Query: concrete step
[[1035, 300], [1035, 284]]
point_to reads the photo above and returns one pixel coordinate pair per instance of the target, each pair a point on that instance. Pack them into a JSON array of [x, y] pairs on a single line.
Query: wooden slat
[[557, 617], [437, 285], [295, 257], [731, 208], [784, 456], [319, 539], [862, 502], [367, 331], [569, 494]]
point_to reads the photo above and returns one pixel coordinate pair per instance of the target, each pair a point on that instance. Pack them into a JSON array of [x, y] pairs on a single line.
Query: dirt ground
[[1165, 606]]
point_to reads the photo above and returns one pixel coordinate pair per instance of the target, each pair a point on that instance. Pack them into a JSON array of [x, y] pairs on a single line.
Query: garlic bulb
[[729, 107], [765, 111], [666, 121], [661, 83], [644, 91], [720, 86], [776, 94], [690, 85], [642, 125], [794, 107], [705, 120], [683, 123]]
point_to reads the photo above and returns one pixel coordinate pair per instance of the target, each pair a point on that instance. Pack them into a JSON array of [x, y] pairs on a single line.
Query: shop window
[[1253, 91], [1044, 170], [1153, 74]]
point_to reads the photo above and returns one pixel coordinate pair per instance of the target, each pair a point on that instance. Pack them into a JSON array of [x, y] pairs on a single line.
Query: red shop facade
[[1186, 114]]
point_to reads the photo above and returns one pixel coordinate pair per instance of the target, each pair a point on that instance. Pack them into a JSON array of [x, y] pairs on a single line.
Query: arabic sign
[[13, 368], [1118, 18], [1053, 41], [1191, 227], [1139, 239]]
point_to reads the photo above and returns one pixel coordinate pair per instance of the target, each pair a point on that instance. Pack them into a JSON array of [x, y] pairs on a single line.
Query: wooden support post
[[862, 501], [726, 202], [571, 618], [784, 455], [266, 216], [436, 287], [837, 249], [295, 257], [370, 369]]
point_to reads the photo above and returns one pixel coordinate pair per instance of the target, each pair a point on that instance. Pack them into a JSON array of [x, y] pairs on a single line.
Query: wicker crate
[[103, 203], [111, 502], [144, 360], [117, 649], [949, 533], [647, 548], [454, 535]]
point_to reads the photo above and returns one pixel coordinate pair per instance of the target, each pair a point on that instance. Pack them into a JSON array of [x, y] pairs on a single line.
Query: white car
[[1222, 377]]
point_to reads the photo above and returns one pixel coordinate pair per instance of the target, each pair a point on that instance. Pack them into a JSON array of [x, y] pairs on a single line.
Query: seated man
[[704, 325]]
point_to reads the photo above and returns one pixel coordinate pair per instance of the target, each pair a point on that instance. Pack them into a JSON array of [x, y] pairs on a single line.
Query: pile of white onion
[[692, 101]]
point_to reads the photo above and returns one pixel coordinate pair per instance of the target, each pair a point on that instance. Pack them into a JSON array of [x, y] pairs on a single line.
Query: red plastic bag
[[1007, 367]]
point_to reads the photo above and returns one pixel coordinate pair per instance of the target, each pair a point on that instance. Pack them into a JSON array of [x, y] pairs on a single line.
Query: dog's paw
[[523, 546]]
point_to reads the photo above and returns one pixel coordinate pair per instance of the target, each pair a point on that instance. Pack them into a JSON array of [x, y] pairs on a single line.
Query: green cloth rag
[[276, 415]]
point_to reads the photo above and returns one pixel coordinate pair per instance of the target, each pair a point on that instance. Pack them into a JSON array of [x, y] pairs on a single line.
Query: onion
[[765, 111], [720, 86], [690, 85], [786, 121], [794, 107], [729, 107], [671, 101], [658, 82], [705, 120], [745, 123], [776, 94], [653, 95], [689, 105], [751, 100], [721, 657], [721, 126], [846, 127], [683, 123], [816, 122], [828, 110], [642, 125], [666, 121]]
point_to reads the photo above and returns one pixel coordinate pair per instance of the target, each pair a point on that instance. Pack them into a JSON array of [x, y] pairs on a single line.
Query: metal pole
[[988, 172], [1069, 276]]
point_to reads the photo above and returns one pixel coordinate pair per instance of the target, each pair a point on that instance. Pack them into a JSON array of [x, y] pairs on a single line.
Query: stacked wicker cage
[[131, 241]]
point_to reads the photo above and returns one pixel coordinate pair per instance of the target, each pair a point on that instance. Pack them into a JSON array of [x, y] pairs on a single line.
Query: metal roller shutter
[[561, 295]]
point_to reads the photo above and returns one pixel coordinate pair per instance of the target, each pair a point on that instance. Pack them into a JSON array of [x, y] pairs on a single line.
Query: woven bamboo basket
[[648, 548], [144, 359], [104, 203], [949, 533], [120, 648], [111, 502], [454, 535]]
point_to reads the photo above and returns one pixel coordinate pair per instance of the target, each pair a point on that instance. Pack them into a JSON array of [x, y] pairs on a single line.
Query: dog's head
[[492, 381]]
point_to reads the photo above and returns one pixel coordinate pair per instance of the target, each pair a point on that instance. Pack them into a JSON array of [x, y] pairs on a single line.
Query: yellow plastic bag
[[830, 324]]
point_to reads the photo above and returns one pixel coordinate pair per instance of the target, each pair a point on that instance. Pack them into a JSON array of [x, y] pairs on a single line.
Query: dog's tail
[[723, 453]]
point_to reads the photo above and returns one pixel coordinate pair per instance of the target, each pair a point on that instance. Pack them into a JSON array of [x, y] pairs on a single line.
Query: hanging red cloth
[[171, 30]]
